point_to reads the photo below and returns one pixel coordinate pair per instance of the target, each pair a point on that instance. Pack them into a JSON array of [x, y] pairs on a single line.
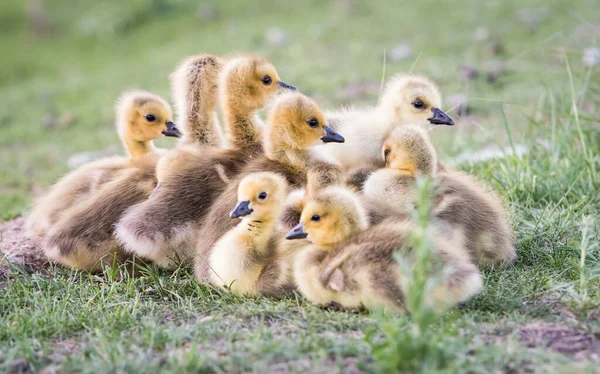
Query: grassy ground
[[57, 88]]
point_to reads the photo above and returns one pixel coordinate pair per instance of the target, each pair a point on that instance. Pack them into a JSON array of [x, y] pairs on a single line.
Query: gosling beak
[[440, 118], [332, 136], [287, 86], [172, 130], [242, 209], [297, 232]]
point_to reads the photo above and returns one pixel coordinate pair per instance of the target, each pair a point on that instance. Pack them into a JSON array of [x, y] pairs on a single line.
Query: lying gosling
[[354, 266], [471, 216], [247, 257], [83, 237], [146, 110]]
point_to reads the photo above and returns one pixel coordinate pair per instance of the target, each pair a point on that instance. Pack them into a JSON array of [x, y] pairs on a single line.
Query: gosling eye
[[262, 195], [313, 122], [315, 218], [386, 153], [150, 118], [418, 104], [267, 80]]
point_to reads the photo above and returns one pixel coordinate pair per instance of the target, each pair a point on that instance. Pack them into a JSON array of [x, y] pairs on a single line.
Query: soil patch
[[561, 338], [17, 249]]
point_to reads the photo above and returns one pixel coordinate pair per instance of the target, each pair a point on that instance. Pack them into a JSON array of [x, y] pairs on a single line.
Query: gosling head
[[260, 197], [331, 216], [250, 82], [413, 99], [143, 117], [408, 148], [297, 122]]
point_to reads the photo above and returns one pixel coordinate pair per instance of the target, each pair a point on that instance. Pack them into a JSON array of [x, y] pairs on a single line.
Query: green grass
[[79, 322]]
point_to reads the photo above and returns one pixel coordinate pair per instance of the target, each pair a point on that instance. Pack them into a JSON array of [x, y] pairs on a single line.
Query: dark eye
[[262, 195], [386, 153], [313, 122], [315, 218], [266, 80], [150, 118], [418, 104]]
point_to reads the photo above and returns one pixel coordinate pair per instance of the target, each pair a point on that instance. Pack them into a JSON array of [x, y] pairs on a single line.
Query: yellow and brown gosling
[[83, 236], [471, 216], [355, 266], [248, 258], [195, 92], [140, 118]]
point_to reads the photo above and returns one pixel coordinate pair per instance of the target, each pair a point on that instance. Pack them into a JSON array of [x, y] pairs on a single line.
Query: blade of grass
[[575, 110]]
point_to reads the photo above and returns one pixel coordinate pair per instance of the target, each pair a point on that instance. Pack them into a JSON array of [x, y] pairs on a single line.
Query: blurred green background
[[64, 62]]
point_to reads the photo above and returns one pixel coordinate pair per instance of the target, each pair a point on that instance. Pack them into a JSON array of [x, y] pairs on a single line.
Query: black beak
[[241, 210], [332, 136], [172, 130], [297, 232], [440, 118], [286, 86]]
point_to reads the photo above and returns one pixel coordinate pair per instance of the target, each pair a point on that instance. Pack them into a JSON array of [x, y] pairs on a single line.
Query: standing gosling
[[141, 117], [355, 266], [83, 237], [246, 258], [406, 99], [471, 216]]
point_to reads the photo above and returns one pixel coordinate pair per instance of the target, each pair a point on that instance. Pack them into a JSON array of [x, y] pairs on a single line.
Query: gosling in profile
[[83, 237], [468, 214], [141, 118], [354, 266], [406, 99], [246, 258]]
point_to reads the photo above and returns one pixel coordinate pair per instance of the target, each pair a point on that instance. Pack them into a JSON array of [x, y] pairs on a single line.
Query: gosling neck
[[202, 125], [325, 247], [243, 127], [137, 149], [387, 116], [259, 231], [278, 150]]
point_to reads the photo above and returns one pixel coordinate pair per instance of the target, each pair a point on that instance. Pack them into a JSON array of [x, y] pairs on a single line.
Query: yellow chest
[[232, 264]]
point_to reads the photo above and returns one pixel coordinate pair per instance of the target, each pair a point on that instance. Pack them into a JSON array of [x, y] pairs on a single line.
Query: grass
[[78, 322]]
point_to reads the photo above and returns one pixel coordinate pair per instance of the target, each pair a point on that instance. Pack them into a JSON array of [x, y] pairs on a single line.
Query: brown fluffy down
[[198, 184], [86, 233]]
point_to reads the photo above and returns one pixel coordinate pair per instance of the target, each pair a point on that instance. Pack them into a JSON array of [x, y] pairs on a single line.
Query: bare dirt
[[560, 338], [18, 250]]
